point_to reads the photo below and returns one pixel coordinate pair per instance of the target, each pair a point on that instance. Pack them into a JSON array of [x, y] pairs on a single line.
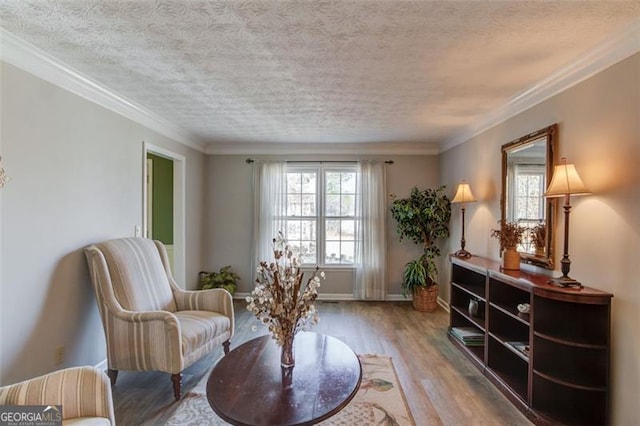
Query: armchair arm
[[213, 300], [164, 319], [82, 392], [147, 340]]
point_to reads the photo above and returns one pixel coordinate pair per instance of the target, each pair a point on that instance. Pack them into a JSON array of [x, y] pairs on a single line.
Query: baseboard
[[443, 304], [338, 297], [398, 298]]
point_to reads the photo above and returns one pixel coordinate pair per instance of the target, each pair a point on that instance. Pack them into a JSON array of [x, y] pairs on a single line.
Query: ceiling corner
[[33, 60], [611, 51]]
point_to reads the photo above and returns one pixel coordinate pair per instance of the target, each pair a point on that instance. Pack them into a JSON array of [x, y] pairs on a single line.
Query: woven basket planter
[[426, 299]]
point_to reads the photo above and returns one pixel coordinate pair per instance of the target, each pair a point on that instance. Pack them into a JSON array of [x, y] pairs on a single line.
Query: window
[[321, 215], [302, 213], [529, 201], [529, 186], [339, 217]]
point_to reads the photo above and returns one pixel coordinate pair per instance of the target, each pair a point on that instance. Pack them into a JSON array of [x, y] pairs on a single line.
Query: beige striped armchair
[[83, 392], [149, 322]]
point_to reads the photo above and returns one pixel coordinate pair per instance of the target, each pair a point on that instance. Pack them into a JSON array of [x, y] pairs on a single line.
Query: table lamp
[[463, 195], [565, 183]]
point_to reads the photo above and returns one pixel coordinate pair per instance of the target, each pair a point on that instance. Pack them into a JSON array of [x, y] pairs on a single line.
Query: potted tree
[[423, 217], [509, 235]]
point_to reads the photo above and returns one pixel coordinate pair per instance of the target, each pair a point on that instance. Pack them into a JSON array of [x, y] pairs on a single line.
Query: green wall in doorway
[[162, 201]]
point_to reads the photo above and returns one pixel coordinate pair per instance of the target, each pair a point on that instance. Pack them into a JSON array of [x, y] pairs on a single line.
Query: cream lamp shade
[[565, 181], [463, 194]]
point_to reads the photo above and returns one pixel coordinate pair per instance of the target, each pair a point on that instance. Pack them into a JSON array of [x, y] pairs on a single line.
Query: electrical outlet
[[137, 231], [58, 355]]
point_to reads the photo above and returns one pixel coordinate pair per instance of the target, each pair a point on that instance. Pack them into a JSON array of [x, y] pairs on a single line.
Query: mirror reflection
[[527, 164]]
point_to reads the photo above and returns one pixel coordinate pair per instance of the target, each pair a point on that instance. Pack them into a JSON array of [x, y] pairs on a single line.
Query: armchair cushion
[[83, 392], [200, 327]]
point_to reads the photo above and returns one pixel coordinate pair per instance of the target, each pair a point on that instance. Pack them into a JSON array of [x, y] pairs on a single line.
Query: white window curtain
[[269, 207], [371, 282]]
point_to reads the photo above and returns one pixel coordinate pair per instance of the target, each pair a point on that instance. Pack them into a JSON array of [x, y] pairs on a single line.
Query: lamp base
[[565, 281], [462, 253]]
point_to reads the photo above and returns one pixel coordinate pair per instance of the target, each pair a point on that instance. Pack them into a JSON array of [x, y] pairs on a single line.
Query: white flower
[[322, 274]]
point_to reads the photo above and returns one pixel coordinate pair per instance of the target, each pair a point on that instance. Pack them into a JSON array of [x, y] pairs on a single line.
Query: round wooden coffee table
[[245, 387]]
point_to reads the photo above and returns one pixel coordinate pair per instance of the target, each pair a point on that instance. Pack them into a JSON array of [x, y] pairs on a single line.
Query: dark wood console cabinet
[[562, 375]]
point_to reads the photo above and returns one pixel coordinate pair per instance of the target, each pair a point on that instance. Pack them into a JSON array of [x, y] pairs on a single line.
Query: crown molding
[[269, 148], [23, 55], [613, 50]]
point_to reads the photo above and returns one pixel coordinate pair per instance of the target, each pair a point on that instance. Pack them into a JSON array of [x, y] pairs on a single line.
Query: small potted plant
[[510, 235], [539, 238], [423, 218], [225, 279]]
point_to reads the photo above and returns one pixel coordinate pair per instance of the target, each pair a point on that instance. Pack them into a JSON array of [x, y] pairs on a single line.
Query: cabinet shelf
[[569, 384], [579, 366], [570, 342], [469, 291], [510, 313], [509, 344], [469, 279], [508, 366], [564, 377], [507, 328], [474, 353], [569, 405], [478, 322], [572, 322]]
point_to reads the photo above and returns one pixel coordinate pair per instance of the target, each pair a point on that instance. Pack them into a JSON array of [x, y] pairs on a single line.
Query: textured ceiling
[[317, 71]]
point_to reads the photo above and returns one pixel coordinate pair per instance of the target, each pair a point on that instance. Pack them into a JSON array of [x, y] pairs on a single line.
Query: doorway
[[164, 204]]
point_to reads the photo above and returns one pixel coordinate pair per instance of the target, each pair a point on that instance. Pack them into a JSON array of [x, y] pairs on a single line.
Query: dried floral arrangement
[[510, 234], [539, 235], [280, 300]]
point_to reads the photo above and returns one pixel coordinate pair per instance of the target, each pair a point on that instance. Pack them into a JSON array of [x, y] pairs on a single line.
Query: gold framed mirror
[[527, 165]]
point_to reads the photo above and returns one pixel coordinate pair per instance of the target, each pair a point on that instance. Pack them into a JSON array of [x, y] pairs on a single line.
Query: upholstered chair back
[[138, 277], [83, 392]]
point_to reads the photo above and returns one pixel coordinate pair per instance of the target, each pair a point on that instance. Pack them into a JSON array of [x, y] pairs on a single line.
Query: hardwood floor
[[442, 387]]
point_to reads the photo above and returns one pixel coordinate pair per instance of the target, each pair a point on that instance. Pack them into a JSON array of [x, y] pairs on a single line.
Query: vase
[[511, 260], [287, 360], [473, 307]]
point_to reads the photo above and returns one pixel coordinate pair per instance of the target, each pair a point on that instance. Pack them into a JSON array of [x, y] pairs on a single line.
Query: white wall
[[76, 178], [76, 173], [599, 131], [229, 213]]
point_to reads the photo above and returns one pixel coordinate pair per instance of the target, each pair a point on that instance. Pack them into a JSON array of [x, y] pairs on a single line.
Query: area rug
[[379, 401]]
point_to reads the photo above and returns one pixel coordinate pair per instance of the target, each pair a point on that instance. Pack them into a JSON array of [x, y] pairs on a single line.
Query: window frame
[[320, 169]]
